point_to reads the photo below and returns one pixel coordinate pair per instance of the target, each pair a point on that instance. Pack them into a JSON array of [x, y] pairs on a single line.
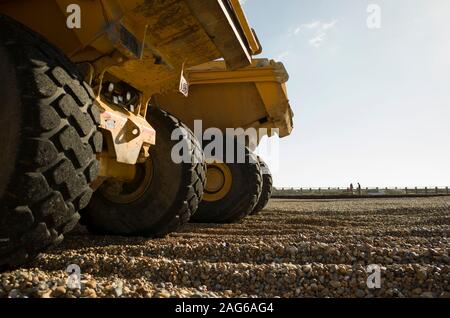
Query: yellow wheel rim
[[121, 192], [218, 182]]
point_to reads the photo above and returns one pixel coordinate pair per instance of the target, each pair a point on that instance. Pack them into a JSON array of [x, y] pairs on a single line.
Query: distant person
[[351, 188], [359, 189]]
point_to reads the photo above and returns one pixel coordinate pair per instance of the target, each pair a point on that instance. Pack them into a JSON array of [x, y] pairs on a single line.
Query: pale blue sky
[[371, 106]]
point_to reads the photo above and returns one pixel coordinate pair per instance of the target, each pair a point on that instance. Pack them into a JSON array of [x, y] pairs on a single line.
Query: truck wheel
[[266, 191], [48, 142], [231, 192], [164, 194]]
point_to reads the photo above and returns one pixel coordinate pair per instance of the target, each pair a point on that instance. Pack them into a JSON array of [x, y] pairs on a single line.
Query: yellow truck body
[[145, 42], [250, 97], [148, 44]]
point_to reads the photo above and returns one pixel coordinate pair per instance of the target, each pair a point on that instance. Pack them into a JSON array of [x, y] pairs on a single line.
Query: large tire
[[266, 191], [240, 199], [48, 141], [171, 196]]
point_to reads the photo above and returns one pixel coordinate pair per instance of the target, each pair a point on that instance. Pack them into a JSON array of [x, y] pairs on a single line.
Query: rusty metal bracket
[[131, 135]]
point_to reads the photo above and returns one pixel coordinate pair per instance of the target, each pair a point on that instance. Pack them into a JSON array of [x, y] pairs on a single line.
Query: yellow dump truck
[[100, 102]]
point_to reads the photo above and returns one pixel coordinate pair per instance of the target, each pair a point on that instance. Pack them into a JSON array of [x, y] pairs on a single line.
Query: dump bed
[[254, 96], [155, 37]]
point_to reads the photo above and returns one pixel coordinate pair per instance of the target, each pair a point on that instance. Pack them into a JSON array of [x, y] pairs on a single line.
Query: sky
[[371, 105]]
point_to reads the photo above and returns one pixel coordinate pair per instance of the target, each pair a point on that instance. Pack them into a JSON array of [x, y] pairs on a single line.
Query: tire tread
[[56, 159], [266, 192]]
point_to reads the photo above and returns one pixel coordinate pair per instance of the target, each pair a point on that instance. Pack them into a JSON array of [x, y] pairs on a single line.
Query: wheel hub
[[122, 192], [218, 182]]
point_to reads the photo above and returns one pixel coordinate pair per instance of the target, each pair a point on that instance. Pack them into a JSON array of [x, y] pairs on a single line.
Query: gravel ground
[[295, 248]]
